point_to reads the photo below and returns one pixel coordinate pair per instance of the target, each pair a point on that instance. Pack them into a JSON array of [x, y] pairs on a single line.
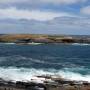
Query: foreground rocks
[[45, 83]]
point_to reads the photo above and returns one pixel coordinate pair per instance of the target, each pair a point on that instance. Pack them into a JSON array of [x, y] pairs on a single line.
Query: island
[[43, 39]]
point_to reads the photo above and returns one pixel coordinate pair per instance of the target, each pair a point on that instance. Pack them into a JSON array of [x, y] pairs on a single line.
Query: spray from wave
[[20, 74], [81, 44], [8, 43]]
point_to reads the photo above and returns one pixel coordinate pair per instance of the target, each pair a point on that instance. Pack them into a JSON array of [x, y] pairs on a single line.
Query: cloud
[[37, 16], [63, 1], [14, 13], [74, 21], [85, 10], [43, 1], [60, 25], [12, 1]]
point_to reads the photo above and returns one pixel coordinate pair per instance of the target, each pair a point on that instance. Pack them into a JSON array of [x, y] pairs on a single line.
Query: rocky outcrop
[[49, 83]]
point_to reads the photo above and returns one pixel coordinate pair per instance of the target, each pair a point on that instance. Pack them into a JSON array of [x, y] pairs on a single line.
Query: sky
[[45, 17]]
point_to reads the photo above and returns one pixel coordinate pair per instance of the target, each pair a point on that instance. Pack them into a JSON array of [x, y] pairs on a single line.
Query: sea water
[[22, 62]]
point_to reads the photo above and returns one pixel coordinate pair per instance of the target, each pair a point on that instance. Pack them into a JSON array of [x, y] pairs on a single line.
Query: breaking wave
[[23, 62], [20, 74], [81, 44], [8, 43]]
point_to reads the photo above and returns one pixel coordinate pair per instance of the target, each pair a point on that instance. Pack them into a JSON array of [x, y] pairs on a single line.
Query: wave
[[22, 61], [8, 43], [80, 44], [75, 44], [20, 74]]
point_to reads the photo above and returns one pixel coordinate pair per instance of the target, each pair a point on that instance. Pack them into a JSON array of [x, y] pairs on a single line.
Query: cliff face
[[28, 38]]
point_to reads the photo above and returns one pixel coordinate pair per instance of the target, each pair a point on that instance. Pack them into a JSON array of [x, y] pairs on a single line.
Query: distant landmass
[[41, 38]]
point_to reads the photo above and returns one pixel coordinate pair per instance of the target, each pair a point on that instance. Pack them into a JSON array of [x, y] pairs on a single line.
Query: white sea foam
[[20, 74], [8, 43], [74, 76], [80, 44]]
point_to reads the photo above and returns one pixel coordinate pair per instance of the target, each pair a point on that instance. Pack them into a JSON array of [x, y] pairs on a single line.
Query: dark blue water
[[47, 58]]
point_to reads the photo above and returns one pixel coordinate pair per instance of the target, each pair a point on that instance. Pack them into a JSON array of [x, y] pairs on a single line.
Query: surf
[[22, 74]]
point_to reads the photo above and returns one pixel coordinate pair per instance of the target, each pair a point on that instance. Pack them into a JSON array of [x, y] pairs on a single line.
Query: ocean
[[22, 62]]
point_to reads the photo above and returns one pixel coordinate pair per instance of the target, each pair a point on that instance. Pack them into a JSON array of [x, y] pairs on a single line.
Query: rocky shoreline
[[45, 82], [43, 39]]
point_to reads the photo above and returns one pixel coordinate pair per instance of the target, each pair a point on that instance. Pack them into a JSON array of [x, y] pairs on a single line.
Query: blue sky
[[45, 16]]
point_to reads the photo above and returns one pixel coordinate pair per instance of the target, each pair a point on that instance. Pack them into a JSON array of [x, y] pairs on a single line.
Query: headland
[[43, 39]]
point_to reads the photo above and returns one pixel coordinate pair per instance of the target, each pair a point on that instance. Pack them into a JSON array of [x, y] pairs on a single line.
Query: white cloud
[[43, 1], [12, 1], [85, 10], [14, 13], [63, 1], [62, 25]]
